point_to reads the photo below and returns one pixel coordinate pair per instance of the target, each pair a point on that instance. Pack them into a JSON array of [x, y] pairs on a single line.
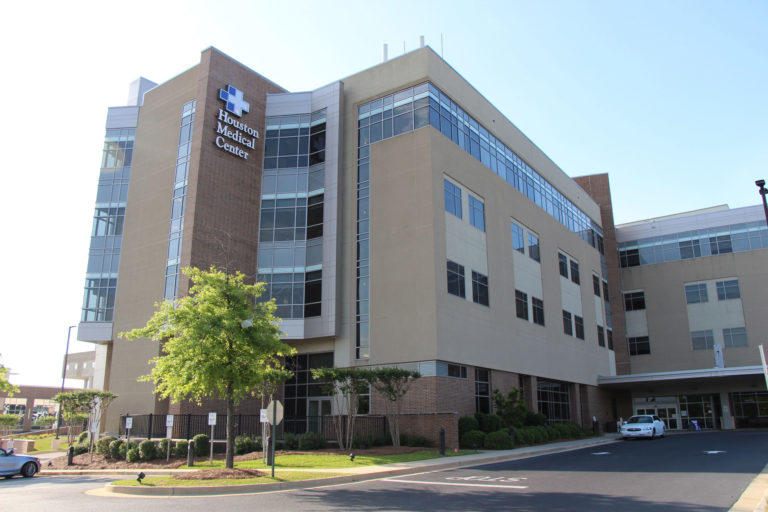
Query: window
[[596, 285], [521, 304], [456, 279], [482, 390], [605, 291], [479, 288], [301, 385], [458, 371], [579, 322], [554, 400], [533, 247], [639, 346], [727, 290], [629, 257], [538, 310], [562, 261], [452, 198], [364, 401], [575, 272], [567, 323], [518, 238], [476, 213], [689, 249], [702, 340], [610, 338], [600, 336], [696, 293], [720, 244], [735, 337], [634, 301]]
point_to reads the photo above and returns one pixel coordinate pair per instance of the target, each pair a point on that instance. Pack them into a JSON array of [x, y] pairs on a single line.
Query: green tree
[[8, 422], [393, 384], [218, 341], [81, 405], [345, 385], [510, 407], [5, 386]]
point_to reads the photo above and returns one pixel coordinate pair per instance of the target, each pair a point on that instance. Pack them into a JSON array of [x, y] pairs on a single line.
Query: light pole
[[763, 192], [63, 376]]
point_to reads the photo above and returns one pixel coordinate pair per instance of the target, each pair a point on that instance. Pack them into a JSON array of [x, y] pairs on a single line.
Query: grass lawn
[[43, 442], [282, 476], [324, 461]]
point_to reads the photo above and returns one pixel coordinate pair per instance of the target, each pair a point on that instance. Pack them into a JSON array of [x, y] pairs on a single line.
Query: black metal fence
[[187, 426]]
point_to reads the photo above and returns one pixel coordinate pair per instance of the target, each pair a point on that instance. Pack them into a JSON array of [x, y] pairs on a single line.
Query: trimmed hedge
[[202, 445], [473, 438], [245, 444], [147, 450], [290, 441], [414, 440], [467, 423], [489, 422], [82, 437], [133, 455], [162, 447], [114, 449], [371, 441], [311, 441], [499, 440], [81, 448], [180, 450], [102, 446]]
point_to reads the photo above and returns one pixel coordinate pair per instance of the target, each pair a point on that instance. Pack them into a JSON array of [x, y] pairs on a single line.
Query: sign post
[[168, 433], [128, 427], [212, 423], [274, 419]]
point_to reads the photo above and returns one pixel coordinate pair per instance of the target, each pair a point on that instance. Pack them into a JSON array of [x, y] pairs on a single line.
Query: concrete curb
[[387, 471], [754, 497]]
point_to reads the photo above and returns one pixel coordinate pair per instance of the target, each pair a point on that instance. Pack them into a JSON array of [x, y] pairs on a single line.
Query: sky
[[668, 97]]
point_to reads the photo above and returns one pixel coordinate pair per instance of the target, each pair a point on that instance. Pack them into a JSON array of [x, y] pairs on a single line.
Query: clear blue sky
[[670, 98]]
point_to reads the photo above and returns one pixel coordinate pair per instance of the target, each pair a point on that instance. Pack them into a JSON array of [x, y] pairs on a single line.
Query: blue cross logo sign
[[234, 100]]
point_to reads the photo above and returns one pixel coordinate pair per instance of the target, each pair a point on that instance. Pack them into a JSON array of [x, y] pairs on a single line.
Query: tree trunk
[[230, 456]]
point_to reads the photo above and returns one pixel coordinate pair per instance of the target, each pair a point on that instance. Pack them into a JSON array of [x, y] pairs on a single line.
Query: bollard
[[191, 454], [70, 455], [596, 426], [442, 442]]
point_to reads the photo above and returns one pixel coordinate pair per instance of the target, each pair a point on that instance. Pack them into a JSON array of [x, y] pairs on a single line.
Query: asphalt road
[[701, 472]]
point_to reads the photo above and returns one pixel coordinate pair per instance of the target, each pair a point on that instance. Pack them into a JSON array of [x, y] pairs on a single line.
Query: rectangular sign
[[264, 416], [128, 423], [169, 420], [211, 419]]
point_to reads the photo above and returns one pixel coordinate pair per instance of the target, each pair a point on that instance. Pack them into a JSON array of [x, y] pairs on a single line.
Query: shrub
[[114, 449], [473, 438], [82, 437], [81, 448], [510, 407], [290, 441], [202, 445], [467, 423], [102, 446], [162, 450], [414, 440], [147, 450], [133, 455], [369, 441], [489, 422], [180, 450], [499, 440], [244, 444], [311, 441], [534, 419]]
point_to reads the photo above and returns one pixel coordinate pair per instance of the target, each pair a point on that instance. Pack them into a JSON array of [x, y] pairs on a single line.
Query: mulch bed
[[81, 462], [217, 474]]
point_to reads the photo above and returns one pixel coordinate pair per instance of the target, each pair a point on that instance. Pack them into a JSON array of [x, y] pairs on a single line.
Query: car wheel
[[28, 470]]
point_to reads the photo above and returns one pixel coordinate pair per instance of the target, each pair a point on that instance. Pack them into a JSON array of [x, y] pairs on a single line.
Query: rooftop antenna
[[421, 41], [384, 53]]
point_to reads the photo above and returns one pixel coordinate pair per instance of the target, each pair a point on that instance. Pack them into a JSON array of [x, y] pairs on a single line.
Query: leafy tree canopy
[[5, 386]]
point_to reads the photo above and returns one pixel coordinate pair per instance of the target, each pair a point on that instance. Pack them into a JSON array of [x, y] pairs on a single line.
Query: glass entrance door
[[669, 416], [316, 409]]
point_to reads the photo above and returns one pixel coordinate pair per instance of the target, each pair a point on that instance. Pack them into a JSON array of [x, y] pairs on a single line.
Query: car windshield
[[640, 419]]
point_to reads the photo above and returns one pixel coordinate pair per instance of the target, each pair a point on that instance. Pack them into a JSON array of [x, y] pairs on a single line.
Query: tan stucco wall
[[666, 311]]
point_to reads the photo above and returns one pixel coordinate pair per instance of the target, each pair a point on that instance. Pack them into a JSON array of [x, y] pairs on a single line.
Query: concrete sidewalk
[[350, 474]]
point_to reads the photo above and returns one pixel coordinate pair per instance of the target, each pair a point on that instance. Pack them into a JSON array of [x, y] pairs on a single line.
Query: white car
[[642, 426]]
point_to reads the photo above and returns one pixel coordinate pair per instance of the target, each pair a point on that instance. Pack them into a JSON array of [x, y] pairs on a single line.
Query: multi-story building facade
[[397, 217]]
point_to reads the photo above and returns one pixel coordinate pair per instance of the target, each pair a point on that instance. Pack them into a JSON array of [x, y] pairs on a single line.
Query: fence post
[[189, 421], [149, 427], [239, 423]]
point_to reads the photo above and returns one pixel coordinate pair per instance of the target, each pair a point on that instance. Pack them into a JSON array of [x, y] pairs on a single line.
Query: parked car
[[24, 465], [642, 426]]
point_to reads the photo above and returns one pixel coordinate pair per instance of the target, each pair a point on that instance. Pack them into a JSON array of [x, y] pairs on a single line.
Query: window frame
[[634, 300], [537, 308], [521, 299], [567, 323], [460, 279], [578, 324]]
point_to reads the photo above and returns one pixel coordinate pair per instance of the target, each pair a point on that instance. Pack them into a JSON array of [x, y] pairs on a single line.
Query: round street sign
[[272, 418]]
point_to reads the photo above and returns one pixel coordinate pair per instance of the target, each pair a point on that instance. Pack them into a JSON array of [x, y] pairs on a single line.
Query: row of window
[[521, 307], [452, 194], [562, 261], [568, 325], [700, 340], [457, 286], [694, 294], [519, 241], [694, 244]]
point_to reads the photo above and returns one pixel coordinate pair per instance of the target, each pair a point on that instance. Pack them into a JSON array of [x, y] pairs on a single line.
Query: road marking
[[601, 453], [487, 478], [453, 484], [713, 452]]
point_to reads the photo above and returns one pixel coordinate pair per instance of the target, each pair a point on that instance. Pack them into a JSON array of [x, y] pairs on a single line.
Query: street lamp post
[[63, 376], [763, 192]]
